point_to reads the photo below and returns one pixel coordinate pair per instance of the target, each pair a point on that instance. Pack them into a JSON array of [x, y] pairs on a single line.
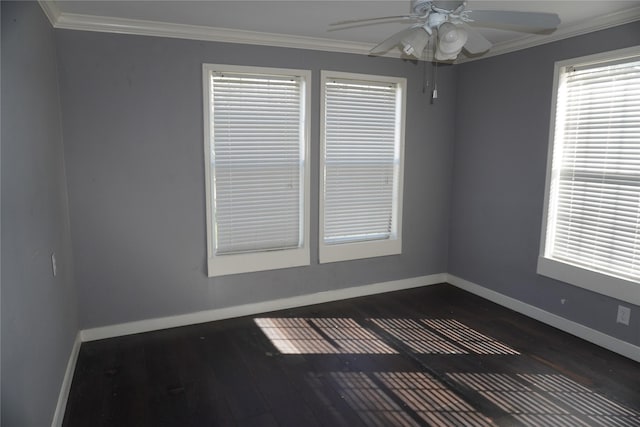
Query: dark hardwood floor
[[429, 356]]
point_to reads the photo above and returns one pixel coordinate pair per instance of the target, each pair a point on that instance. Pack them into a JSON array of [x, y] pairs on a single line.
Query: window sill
[[359, 250], [623, 290], [224, 265]]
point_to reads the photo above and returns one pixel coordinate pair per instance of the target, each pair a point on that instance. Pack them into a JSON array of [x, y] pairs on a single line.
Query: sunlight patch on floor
[[545, 399], [432, 400], [467, 337], [405, 399], [321, 336]]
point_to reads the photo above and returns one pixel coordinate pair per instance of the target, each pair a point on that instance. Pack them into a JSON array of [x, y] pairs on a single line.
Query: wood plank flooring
[[430, 356]]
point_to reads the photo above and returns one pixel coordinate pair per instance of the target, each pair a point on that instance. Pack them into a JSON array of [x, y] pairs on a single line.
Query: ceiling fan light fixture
[[415, 42], [451, 40]]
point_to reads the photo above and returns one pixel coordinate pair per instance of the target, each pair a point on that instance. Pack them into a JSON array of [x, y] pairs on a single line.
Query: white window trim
[[614, 287], [374, 248], [266, 260]]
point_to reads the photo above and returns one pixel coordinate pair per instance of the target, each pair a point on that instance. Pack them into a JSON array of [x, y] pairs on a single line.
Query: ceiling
[[305, 23]]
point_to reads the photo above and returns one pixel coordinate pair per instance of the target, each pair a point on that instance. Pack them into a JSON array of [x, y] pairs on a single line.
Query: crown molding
[[71, 21], [51, 10], [106, 24]]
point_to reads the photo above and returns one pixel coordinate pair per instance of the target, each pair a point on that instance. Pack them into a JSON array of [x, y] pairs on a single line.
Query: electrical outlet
[[54, 266], [624, 313]]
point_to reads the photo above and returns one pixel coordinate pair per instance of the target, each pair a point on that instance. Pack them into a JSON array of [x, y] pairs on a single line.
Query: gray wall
[[134, 149], [502, 133], [39, 319]]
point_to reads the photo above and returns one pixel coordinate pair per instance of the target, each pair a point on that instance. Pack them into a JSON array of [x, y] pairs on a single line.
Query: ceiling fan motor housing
[[420, 7], [435, 19]]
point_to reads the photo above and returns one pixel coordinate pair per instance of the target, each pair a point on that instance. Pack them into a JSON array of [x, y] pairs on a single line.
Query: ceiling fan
[[449, 25]]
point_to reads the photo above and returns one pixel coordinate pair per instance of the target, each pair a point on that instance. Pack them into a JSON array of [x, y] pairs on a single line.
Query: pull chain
[[434, 94]]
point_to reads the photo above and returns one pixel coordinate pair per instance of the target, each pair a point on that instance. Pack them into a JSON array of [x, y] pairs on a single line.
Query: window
[[361, 166], [257, 178], [591, 230]]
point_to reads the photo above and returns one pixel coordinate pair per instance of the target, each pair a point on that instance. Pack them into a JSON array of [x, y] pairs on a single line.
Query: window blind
[[361, 157], [257, 162], [595, 192]]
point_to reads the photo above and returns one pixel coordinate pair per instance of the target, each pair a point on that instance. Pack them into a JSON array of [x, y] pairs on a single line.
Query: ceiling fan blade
[[392, 41], [381, 19], [476, 42], [526, 20]]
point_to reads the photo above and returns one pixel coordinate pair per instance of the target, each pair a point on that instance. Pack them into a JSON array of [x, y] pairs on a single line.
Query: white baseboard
[[58, 415], [596, 337], [261, 307]]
